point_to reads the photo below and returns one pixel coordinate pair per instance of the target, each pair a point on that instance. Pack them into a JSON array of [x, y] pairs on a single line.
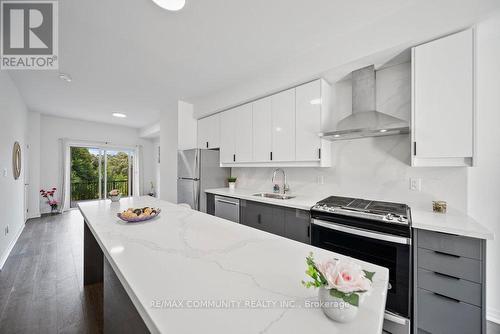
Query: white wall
[[188, 126], [484, 180], [33, 138], [13, 114], [374, 168], [168, 152], [55, 128]]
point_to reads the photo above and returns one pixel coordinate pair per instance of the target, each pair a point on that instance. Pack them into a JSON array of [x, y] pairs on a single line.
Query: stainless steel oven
[[342, 234]]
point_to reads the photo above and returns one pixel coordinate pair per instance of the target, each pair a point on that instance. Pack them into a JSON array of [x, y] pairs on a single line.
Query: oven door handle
[[395, 318], [363, 233]]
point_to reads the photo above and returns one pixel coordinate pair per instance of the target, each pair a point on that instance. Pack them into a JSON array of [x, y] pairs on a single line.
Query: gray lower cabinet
[[269, 218], [449, 283], [298, 225], [286, 222]]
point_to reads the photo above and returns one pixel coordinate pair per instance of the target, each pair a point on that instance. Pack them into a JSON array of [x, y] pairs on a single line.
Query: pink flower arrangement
[[344, 279], [49, 196]]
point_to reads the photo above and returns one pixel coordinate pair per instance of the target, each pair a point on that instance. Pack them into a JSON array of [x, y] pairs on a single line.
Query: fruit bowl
[[135, 215]]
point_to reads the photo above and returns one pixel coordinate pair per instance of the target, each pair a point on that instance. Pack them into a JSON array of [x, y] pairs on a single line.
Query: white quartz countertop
[[451, 222], [303, 202], [183, 257]]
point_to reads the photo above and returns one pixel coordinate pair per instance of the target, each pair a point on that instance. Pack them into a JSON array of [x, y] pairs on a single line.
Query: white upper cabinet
[[279, 130], [308, 119], [283, 126], [209, 132], [262, 132], [227, 135], [236, 135], [244, 134], [443, 101]]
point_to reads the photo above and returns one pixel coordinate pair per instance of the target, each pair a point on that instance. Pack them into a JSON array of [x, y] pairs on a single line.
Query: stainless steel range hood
[[365, 121]]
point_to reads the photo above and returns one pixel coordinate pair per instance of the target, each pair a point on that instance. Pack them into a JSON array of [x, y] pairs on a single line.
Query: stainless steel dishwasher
[[227, 208]]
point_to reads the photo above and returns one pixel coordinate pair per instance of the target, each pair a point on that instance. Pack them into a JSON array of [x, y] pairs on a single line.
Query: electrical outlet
[[4, 172], [415, 184], [320, 179]]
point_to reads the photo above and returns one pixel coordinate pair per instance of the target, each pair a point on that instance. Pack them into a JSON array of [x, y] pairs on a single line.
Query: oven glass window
[[395, 257]]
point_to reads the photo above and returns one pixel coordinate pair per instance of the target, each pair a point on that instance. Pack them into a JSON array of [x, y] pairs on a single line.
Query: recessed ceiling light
[[64, 76], [383, 130], [336, 136], [172, 5], [316, 101], [119, 115]]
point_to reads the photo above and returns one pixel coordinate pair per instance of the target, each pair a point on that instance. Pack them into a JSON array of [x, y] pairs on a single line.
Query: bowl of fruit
[[132, 215]]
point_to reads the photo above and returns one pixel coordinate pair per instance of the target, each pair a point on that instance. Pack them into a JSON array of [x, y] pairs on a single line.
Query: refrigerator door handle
[[196, 196]]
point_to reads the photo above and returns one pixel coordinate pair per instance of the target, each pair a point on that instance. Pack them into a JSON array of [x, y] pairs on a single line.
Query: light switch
[[415, 184]]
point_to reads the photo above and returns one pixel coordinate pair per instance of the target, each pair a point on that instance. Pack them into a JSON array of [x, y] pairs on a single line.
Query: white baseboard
[[6, 254], [36, 215], [493, 315]]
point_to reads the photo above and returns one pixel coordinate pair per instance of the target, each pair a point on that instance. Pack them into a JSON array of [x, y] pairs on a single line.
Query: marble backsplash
[[372, 168]]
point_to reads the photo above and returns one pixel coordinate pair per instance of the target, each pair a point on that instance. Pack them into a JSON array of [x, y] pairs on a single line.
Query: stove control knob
[[389, 216], [401, 218]]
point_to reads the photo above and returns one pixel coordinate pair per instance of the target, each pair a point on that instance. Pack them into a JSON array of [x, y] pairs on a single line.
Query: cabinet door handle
[[309, 231], [271, 155], [447, 254], [207, 144], [446, 275], [319, 153], [259, 220], [234, 157], [414, 148], [446, 297]]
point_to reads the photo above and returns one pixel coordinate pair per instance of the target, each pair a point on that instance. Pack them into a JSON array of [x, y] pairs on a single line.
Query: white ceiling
[[131, 56]]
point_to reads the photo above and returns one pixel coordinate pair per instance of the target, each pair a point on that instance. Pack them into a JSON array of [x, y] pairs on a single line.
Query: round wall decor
[[16, 160]]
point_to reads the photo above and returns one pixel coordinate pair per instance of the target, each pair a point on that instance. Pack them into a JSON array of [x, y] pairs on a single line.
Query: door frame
[[102, 147]]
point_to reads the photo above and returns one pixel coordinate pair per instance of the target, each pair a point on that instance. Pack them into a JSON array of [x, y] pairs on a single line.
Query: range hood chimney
[[365, 121]]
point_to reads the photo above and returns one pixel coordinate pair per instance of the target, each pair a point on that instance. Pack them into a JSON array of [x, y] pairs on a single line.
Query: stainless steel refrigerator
[[198, 170]]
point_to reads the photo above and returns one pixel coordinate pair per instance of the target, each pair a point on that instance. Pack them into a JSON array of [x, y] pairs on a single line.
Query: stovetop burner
[[387, 212]]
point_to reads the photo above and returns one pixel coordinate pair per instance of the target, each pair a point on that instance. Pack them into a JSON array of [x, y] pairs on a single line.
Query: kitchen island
[[188, 272]]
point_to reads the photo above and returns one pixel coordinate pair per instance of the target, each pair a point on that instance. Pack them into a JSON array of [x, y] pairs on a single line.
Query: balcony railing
[[82, 191]]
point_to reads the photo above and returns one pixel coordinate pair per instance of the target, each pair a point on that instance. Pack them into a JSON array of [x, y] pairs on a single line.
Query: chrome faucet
[[284, 188]]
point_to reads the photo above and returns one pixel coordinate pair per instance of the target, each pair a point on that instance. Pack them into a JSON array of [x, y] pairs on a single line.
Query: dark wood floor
[[41, 288], [41, 284]]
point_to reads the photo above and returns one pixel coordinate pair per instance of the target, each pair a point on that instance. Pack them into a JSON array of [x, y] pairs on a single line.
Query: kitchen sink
[[272, 195]]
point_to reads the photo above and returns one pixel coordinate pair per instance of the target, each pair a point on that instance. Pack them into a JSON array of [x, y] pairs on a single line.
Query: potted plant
[[342, 286], [114, 195], [49, 196], [232, 182]]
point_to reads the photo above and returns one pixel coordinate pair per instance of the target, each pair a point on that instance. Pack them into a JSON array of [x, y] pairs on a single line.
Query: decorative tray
[[135, 215]]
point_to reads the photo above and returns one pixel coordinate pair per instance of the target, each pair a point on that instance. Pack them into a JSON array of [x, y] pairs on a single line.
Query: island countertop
[[187, 272]]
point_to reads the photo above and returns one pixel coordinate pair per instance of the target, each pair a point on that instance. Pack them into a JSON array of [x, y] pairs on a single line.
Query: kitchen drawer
[[438, 314], [461, 267], [451, 244], [456, 288]]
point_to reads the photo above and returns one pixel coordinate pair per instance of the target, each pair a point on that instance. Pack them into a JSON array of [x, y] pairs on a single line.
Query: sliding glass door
[[96, 171]]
